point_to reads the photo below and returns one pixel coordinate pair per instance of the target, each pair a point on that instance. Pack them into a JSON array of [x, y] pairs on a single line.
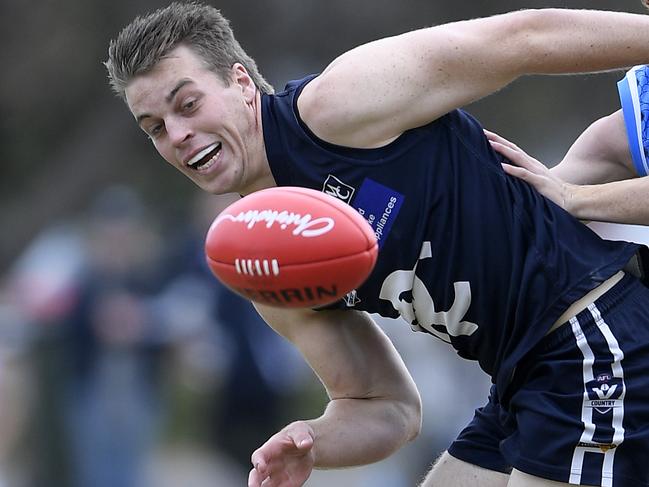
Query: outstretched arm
[[374, 408], [371, 94]]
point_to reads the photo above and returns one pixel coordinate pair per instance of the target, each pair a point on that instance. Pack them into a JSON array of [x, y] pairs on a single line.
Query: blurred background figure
[[37, 295], [113, 344], [258, 372]]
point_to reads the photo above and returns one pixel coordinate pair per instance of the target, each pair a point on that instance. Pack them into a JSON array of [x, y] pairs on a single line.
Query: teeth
[[202, 154], [207, 165]]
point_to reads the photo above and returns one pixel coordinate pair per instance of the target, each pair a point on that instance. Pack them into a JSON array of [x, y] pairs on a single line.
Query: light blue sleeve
[[634, 98]]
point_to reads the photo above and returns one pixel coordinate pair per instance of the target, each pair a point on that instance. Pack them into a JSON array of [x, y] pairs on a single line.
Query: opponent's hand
[[285, 460], [532, 171]]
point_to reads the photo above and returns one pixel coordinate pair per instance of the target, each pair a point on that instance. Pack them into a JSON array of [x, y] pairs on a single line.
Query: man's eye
[[155, 130], [189, 105]]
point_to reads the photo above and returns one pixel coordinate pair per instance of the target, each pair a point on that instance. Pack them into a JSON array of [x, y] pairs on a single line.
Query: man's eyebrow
[[176, 88], [142, 117], [168, 98]]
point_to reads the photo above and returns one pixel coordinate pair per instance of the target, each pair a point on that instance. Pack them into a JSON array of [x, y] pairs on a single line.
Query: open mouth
[[205, 158]]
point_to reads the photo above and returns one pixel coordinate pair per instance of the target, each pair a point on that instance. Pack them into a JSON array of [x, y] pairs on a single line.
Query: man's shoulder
[[295, 86]]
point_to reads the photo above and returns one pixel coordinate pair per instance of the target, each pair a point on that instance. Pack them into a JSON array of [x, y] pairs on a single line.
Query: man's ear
[[241, 78]]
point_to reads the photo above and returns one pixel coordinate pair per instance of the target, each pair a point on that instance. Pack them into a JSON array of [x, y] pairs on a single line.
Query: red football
[[291, 247]]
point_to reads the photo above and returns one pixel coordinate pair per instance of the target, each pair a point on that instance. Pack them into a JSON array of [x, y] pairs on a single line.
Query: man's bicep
[[373, 93], [348, 351], [599, 155]]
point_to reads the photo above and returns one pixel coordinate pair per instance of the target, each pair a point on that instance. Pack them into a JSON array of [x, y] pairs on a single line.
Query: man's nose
[[179, 132]]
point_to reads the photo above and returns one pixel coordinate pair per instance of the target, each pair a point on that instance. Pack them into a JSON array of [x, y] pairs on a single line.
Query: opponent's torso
[[467, 254]]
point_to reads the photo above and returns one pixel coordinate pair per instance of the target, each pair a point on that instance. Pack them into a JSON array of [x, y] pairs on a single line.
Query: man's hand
[[532, 171], [286, 459]]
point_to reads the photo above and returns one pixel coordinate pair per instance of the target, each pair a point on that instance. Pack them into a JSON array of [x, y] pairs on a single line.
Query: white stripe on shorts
[[587, 411]]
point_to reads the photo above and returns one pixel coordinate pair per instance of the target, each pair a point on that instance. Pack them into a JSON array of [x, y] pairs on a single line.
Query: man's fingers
[[518, 157], [529, 177], [301, 437], [259, 462], [510, 153], [255, 478], [303, 442], [494, 137], [516, 171]]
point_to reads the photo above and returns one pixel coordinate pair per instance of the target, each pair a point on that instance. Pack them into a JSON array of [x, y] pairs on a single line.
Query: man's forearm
[[618, 202], [361, 431], [585, 40]]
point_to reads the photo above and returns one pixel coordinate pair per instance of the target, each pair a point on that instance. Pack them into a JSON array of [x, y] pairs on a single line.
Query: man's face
[[197, 123]]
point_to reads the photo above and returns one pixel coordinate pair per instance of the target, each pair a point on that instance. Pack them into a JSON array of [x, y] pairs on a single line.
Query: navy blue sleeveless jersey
[[467, 254]]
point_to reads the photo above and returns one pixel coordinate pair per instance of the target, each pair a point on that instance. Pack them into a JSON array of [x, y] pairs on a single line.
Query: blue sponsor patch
[[379, 205]]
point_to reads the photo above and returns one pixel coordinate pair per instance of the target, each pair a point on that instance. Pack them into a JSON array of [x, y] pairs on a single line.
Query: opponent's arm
[[596, 180], [616, 202], [371, 94], [374, 408], [605, 185], [599, 155]]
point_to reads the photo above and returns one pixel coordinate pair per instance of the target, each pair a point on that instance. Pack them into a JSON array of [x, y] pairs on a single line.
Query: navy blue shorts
[[579, 412]]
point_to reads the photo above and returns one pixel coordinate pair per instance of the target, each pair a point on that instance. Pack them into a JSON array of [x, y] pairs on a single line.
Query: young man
[[467, 254], [600, 178]]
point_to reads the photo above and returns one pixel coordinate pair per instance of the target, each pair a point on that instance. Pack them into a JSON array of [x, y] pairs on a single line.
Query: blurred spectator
[[261, 371], [36, 296], [112, 345]]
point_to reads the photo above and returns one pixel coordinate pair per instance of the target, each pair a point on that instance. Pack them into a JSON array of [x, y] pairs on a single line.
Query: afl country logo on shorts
[[604, 393]]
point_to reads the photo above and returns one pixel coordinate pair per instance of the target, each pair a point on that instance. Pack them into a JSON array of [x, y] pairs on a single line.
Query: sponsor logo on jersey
[[336, 188], [380, 206]]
